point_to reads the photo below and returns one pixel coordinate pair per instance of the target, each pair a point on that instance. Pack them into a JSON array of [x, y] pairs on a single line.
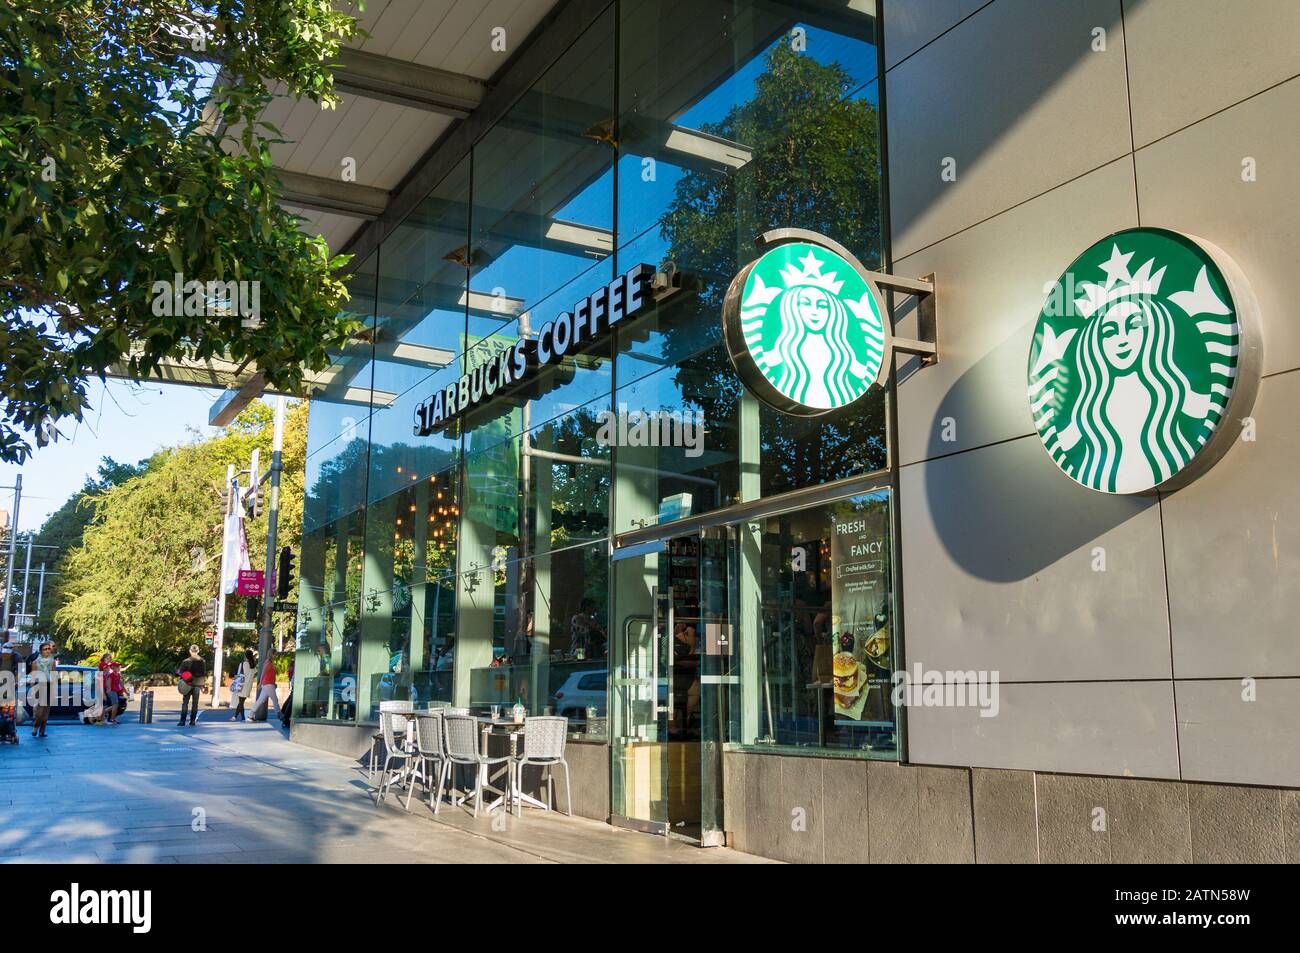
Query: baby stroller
[[8, 724]]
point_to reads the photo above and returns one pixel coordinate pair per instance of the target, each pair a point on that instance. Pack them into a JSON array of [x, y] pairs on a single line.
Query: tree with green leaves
[[141, 199], [151, 554], [815, 165], [64, 529]]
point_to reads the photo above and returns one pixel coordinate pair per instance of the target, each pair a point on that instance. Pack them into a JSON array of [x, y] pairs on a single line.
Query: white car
[[580, 691]]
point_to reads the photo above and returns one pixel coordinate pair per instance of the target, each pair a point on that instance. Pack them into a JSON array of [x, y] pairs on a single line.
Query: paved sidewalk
[[242, 793]]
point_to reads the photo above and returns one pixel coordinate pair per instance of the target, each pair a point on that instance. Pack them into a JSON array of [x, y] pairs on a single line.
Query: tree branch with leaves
[[129, 158]]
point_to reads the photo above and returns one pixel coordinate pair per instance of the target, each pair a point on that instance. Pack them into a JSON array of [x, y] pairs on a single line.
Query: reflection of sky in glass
[[521, 269], [542, 277], [858, 59]]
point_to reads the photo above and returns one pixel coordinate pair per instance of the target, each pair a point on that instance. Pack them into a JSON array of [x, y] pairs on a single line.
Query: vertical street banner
[[236, 555]]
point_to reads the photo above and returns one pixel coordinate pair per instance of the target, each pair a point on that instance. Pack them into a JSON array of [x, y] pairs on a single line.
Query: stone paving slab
[[129, 795]]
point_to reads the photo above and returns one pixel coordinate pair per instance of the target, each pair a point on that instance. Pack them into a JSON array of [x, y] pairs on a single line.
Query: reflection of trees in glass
[[579, 494], [816, 165], [342, 479]]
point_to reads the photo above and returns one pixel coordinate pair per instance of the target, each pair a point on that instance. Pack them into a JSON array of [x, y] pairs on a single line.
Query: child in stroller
[[8, 724]]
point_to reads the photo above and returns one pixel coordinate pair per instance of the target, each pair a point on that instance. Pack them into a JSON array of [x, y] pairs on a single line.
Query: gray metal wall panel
[[1232, 548], [1016, 96], [998, 554], [1224, 737], [1190, 58], [1192, 181], [1124, 728], [913, 23], [992, 287]]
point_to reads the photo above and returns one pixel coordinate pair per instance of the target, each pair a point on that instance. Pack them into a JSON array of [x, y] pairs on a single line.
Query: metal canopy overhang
[[417, 94]]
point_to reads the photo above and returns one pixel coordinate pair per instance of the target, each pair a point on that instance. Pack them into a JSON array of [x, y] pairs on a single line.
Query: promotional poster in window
[[862, 638]]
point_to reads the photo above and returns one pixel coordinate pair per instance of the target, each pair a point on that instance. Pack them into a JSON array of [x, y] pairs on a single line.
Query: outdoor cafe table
[[508, 728]]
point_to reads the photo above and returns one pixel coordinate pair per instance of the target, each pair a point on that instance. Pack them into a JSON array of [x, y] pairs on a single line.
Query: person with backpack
[[242, 686], [192, 672]]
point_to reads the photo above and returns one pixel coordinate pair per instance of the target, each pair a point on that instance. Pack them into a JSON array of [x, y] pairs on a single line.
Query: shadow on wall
[[1005, 512], [1008, 62]]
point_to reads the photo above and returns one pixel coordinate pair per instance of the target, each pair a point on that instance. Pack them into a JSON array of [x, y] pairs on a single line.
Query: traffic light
[[284, 573], [225, 499], [250, 610], [208, 615], [253, 500]]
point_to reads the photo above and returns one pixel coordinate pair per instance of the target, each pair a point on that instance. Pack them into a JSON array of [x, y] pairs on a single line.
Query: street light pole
[[27, 575], [272, 521], [13, 551]]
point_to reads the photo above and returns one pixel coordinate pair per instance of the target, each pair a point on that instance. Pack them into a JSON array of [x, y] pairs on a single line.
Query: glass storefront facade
[[487, 562]]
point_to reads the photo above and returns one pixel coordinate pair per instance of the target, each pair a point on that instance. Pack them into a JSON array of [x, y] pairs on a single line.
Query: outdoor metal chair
[[544, 738], [461, 736], [430, 752], [393, 725], [378, 736]]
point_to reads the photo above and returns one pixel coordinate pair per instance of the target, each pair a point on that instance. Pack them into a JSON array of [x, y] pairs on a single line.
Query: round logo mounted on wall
[[1144, 358], [804, 325]]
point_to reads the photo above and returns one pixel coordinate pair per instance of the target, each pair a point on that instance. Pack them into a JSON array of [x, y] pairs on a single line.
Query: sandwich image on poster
[[850, 685]]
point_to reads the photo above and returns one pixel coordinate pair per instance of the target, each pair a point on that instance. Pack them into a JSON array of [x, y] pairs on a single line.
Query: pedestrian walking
[[286, 711], [192, 673], [43, 668], [242, 686], [267, 696]]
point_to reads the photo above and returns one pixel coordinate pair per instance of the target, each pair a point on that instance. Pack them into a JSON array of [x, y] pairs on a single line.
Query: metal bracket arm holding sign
[[926, 346]]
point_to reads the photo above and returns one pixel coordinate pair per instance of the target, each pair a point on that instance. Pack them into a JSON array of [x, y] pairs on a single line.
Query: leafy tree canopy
[[128, 158], [816, 165], [151, 554], [63, 529]]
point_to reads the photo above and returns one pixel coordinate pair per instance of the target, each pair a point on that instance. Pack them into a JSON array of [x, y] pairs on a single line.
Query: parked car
[[580, 691], [74, 693]]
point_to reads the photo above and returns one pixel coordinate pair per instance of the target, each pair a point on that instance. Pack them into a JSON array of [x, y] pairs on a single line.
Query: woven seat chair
[[393, 726], [429, 754], [544, 738], [460, 735], [378, 736]]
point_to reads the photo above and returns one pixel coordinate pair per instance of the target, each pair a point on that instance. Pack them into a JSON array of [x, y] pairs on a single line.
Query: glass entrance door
[[668, 635]]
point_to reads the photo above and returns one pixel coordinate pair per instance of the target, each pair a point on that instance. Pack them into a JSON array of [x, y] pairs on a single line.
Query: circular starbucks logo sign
[[803, 325], [1145, 350]]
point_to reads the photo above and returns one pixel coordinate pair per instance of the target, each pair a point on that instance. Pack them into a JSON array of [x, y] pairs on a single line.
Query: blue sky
[[127, 422]]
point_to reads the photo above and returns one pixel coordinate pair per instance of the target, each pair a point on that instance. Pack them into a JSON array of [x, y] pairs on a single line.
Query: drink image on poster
[[860, 623]]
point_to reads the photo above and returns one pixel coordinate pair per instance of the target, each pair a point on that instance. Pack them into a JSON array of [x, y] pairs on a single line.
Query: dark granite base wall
[[821, 810], [351, 741]]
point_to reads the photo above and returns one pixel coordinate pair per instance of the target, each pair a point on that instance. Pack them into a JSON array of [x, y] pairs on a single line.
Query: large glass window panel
[[567, 475], [814, 600], [543, 184], [674, 476], [730, 123], [745, 118], [325, 663], [338, 417], [419, 333], [548, 637], [331, 563]]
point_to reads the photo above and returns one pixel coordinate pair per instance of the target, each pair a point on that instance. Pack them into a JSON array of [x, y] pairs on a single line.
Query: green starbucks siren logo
[[804, 326], [1145, 352]]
